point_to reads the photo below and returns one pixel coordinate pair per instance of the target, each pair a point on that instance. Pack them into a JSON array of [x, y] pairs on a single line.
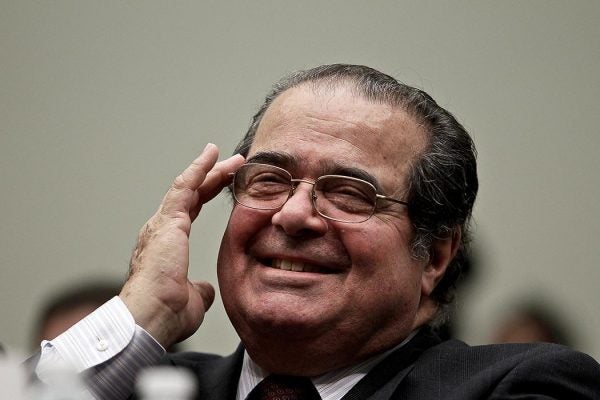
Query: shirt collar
[[331, 385]]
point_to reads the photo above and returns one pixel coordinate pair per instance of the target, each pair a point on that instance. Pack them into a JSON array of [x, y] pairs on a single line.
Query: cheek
[[383, 262], [243, 224], [232, 260], [233, 241], [382, 245], [242, 228]]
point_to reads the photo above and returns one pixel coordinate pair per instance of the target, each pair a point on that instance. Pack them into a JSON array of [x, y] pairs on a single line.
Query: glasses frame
[[313, 195]]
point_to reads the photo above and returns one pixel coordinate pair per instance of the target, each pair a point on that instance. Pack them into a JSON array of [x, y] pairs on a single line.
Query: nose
[[298, 216]]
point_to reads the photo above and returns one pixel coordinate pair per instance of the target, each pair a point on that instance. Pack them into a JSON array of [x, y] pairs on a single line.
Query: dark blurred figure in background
[[64, 308], [532, 322]]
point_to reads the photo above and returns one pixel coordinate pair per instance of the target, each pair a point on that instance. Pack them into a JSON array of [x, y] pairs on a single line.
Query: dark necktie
[[282, 387]]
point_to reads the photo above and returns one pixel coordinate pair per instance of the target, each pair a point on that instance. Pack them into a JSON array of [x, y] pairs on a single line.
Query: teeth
[[286, 265], [294, 266]]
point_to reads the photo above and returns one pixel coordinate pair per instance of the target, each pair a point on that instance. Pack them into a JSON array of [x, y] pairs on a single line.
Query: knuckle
[[179, 182]]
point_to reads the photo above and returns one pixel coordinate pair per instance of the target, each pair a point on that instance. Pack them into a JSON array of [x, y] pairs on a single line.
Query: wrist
[[158, 320]]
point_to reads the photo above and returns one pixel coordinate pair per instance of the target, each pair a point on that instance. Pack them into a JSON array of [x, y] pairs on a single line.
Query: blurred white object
[[61, 383], [13, 379], [166, 383]]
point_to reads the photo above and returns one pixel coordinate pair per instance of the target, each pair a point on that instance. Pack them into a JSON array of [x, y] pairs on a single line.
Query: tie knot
[[283, 387]]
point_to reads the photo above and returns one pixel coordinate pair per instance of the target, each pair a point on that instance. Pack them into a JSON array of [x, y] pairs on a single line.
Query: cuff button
[[102, 345]]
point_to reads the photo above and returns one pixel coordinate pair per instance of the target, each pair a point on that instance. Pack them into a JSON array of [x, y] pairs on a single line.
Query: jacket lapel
[[218, 380], [217, 376], [381, 382]]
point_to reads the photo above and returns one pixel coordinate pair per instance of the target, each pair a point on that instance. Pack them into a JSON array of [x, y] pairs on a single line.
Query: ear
[[442, 252]]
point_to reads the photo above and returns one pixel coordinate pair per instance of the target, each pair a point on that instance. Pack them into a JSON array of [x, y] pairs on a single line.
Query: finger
[[216, 180], [181, 195], [206, 291], [219, 177], [195, 173]]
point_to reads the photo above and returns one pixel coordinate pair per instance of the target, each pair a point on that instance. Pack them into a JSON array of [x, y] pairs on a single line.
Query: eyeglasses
[[335, 197]]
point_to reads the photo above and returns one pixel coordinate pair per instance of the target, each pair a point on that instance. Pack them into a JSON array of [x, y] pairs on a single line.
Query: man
[[353, 195]]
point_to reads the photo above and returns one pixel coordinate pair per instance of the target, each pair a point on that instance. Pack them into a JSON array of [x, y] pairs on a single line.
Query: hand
[[158, 292]]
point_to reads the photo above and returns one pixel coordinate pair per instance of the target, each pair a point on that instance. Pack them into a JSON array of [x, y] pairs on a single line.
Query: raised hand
[[158, 292]]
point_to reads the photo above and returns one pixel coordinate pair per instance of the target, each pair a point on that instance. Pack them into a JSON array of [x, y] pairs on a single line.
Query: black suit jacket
[[427, 368]]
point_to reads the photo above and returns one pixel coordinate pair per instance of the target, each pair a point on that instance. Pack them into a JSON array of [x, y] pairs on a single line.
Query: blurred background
[[103, 103]]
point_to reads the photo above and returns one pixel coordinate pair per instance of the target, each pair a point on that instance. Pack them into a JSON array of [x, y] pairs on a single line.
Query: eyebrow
[[282, 160], [335, 168], [329, 167]]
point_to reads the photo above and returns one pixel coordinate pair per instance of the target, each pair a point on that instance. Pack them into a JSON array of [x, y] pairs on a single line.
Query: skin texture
[[374, 293]]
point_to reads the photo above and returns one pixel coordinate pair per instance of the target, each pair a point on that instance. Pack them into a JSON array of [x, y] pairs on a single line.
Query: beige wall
[[102, 103]]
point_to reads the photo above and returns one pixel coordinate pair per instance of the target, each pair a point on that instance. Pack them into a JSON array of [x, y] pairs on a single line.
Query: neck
[[313, 358], [306, 353]]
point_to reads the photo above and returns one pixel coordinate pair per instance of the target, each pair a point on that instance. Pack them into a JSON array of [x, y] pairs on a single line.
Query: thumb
[[206, 291]]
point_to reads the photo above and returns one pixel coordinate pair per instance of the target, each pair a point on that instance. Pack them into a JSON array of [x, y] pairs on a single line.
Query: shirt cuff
[[95, 339], [115, 379], [108, 346]]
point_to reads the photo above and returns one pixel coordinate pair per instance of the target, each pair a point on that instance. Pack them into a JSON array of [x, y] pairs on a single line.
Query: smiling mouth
[[295, 266]]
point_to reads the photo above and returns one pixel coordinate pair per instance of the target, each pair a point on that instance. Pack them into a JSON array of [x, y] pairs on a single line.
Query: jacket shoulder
[[506, 371]]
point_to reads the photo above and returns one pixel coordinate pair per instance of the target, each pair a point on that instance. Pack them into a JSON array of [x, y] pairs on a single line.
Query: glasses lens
[[344, 198], [261, 186]]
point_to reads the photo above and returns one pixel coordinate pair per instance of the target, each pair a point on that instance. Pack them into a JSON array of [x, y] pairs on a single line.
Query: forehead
[[324, 126]]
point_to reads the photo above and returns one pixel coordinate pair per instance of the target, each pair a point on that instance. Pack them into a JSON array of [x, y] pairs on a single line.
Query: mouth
[[295, 266]]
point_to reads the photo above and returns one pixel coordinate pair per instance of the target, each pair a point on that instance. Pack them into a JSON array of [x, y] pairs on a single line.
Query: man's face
[[366, 294]]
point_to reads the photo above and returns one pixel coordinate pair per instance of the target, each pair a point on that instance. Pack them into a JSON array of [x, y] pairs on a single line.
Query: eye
[[346, 191], [346, 187], [266, 178], [347, 194], [267, 183]]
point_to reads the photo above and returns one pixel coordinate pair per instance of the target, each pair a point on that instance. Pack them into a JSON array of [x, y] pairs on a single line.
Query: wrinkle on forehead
[[348, 131], [353, 108], [378, 118]]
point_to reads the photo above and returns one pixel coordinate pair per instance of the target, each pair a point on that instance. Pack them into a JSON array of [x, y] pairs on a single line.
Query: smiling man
[[353, 195], [299, 284]]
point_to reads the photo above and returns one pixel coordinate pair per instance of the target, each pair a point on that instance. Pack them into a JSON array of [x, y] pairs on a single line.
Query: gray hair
[[442, 181]]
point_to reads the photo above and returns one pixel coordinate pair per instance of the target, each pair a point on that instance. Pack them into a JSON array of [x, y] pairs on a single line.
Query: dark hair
[[442, 180]]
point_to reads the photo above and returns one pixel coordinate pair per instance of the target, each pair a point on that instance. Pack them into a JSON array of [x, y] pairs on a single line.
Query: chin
[[278, 321]]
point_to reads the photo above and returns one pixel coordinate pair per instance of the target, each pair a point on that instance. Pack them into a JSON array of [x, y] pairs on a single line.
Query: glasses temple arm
[[382, 197]]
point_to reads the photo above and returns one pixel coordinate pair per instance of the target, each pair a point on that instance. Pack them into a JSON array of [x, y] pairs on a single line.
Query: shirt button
[[102, 345]]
